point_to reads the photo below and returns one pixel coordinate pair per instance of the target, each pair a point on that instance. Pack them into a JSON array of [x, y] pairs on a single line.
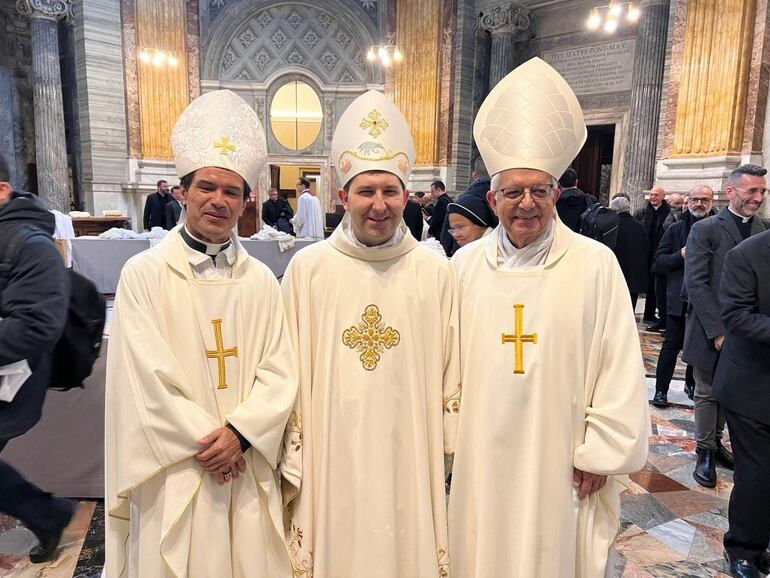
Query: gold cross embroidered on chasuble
[[220, 353], [519, 339], [370, 337]]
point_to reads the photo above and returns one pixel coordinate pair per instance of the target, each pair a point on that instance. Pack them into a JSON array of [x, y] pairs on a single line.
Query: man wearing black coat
[[669, 261], [707, 245], [652, 216], [572, 201], [438, 190], [155, 206], [631, 249], [173, 209], [277, 213], [742, 385], [413, 218], [34, 297]]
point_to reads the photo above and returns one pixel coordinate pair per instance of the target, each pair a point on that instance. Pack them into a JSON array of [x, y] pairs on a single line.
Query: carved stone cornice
[[48, 9], [505, 19]]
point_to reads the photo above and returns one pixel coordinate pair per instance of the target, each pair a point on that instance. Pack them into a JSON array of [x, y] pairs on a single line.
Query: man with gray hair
[[631, 249], [652, 216], [669, 261], [707, 245]]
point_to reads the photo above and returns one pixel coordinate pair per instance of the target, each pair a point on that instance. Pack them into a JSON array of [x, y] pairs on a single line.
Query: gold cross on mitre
[[519, 339], [224, 145], [220, 353], [375, 122], [370, 337]]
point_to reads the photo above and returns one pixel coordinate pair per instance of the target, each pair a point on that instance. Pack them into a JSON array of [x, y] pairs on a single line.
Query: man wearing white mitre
[[556, 415], [374, 320], [200, 376]]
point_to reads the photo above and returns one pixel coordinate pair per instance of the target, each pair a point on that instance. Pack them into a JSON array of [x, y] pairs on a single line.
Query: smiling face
[[656, 196], [375, 201], [526, 218], [214, 202], [746, 194]]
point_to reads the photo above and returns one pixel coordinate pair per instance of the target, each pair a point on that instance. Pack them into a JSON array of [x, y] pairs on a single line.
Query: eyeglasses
[[458, 229], [752, 191], [699, 200], [516, 194]]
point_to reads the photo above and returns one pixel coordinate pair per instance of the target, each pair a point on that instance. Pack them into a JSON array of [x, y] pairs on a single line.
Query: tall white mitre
[[530, 120], [218, 129], [372, 135]]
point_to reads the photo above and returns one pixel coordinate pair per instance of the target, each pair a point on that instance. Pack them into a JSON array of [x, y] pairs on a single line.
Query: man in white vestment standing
[[200, 376], [308, 222], [372, 314], [556, 414]]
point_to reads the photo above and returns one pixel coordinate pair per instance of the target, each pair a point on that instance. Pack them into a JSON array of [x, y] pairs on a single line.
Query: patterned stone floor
[[670, 526]]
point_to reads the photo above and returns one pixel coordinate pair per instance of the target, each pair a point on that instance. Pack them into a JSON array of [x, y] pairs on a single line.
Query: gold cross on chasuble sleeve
[[220, 353], [519, 339]]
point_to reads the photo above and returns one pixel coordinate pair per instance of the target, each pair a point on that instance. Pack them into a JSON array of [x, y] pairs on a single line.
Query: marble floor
[[670, 526]]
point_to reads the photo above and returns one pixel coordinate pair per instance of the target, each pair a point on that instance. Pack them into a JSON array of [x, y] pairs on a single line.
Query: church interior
[[674, 94]]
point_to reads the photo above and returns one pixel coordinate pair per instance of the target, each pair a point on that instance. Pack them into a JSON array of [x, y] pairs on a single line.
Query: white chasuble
[[552, 378], [376, 338], [188, 356]]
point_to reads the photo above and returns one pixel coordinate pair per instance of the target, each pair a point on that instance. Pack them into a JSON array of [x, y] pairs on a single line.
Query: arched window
[[295, 115]]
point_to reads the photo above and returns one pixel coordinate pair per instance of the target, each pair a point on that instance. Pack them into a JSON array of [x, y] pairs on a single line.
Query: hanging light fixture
[[609, 16], [386, 54]]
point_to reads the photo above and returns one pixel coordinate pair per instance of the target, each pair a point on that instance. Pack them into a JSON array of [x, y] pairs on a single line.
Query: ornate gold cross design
[[224, 145], [220, 353], [519, 339], [375, 122], [370, 337]]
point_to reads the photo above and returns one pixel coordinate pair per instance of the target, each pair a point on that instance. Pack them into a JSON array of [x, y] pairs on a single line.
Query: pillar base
[[679, 175], [423, 176]]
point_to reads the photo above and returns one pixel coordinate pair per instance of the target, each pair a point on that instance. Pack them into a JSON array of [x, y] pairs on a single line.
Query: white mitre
[[372, 135], [218, 129], [530, 120]]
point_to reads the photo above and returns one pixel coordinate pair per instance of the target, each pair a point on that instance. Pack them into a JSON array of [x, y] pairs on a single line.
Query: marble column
[[507, 24], [50, 144], [646, 93]]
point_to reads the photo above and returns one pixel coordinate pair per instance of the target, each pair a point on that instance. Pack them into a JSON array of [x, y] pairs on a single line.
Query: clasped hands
[[587, 483], [221, 455]]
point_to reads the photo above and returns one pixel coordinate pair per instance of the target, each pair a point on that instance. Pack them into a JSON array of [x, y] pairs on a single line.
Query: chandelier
[[608, 17], [387, 54], [158, 58]]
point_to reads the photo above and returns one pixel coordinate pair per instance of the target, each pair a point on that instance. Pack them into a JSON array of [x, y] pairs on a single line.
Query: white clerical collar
[[208, 249], [527, 257], [350, 234], [743, 219]]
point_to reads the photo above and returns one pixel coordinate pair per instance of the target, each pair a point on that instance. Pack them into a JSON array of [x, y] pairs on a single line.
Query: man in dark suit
[[155, 205], [438, 190], [742, 385], [173, 208], [669, 261], [652, 216], [707, 245], [277, 213]]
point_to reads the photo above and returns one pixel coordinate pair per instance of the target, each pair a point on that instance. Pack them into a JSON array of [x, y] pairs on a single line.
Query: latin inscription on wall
[[596, 69]]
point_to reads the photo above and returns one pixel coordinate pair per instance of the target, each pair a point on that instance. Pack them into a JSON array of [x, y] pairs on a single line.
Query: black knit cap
[[474, 207]]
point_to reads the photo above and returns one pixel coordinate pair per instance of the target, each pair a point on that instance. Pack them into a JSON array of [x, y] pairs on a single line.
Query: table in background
[[101, 260], [97, 225]]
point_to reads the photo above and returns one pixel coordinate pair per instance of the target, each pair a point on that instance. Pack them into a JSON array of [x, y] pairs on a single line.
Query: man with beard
[[669, 261], [709, 242]]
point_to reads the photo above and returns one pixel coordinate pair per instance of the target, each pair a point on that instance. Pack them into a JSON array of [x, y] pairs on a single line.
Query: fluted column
[[646, 92], [714, 81], [50, 144], [507, 24]]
